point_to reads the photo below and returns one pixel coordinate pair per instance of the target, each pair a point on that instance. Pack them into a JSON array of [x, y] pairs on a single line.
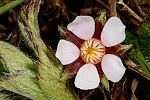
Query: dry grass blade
[[131, 11], [133, 88], [134, 67]]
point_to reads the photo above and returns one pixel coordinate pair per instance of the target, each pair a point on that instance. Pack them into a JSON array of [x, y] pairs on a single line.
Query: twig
[[112, 4], [144, 15], [131, 11]]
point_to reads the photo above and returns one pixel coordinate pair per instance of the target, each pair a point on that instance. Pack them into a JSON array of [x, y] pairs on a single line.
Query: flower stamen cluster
[[92, 51]]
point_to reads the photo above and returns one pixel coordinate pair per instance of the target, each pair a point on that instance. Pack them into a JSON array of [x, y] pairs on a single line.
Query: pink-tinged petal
[[112, 67], [83, 27], [113, 32], [87, 77], [67, 52]]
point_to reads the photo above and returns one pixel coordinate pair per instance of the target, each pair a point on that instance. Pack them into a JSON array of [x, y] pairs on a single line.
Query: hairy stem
[[10, 5]]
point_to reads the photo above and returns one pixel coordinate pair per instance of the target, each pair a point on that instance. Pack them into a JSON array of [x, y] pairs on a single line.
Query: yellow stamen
[[92, 51]]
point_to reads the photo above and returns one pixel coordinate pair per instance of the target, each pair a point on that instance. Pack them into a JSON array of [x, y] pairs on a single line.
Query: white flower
[[93, 51]]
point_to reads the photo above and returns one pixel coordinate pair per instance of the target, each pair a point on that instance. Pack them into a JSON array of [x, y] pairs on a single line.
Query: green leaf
[[143, 50], [49, 68], [130, 38], [105, 83], [50, 83], [14, 59], [139, 47], [144, 40], [20, 76], [102, 17], [7, 95]]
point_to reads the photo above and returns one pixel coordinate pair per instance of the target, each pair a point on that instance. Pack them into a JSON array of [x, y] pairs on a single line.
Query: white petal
[[113, 67], [83, 27], [87, 77], [113, 32], [67, 52]]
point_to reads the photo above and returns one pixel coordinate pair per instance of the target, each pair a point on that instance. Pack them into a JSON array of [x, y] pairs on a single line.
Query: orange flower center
[[92, 51]]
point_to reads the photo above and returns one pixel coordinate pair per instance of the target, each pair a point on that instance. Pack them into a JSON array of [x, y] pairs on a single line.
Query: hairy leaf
[[49, 68], [19, 76]]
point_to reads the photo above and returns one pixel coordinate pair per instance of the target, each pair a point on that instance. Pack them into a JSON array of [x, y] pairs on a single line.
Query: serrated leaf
[[14, 59], [20, 77], [51, 85], [49, 68], [102, 17], [7, 95]]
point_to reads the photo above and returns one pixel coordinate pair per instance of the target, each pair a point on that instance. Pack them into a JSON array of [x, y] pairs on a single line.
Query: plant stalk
[[10, 5]]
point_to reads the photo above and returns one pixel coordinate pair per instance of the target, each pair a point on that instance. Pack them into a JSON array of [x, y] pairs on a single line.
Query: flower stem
[[10, 5]]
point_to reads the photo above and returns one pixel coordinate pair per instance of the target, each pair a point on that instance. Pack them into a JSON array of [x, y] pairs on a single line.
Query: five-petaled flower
[[93, 51]]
